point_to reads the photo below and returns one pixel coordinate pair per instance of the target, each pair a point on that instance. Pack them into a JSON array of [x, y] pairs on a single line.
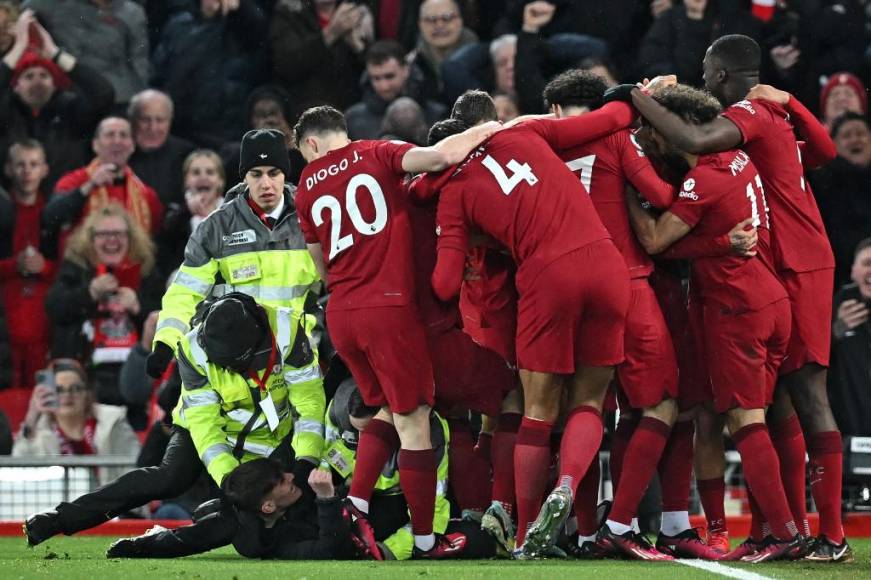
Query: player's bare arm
[[718, 135], [317, 255], [655, 234], [449, 151]]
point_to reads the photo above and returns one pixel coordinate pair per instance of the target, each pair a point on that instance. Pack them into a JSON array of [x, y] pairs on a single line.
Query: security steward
[[251, 387], [251, 244]]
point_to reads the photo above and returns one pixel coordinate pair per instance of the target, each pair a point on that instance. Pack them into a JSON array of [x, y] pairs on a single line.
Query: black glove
[[618, 93], [157, 361]]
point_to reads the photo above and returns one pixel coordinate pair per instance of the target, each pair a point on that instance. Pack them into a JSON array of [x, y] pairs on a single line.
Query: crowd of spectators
[[120, 123]]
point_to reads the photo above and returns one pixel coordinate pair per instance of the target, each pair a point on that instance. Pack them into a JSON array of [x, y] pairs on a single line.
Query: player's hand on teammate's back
[[768, 93], [657, 83]]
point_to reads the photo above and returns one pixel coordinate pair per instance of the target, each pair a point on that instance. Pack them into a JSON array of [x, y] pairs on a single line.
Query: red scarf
[[83, 447], [114, 331]]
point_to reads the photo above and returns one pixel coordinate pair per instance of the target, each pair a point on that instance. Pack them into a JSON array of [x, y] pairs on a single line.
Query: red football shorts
[[694, 386], [810, 296], [649, 373], [386, 351], [573, 313], [469, 375], [743, 353]]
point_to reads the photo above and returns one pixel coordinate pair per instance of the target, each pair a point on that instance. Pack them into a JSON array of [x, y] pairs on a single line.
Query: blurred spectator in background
[[5, 435], [317, 51], [268, 107], [842, 93], [387, 78], [806, 42], [843, 190], [110, 36], [106, 179], [850, 381], [602, 67], [404, 121], [25, 275], [544, 50], [441, 33], [105, 287], [48, 95], [158, 157], [506, 107], [678, 38], [486, 66], [5, 352], [397, 20], [64, 419], [210, 56], [204, 183], [588, 27], [8, 15]]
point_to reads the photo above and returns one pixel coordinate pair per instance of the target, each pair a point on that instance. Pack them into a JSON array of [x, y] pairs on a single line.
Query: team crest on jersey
[[438, 230], [689, 184], [239, 238]]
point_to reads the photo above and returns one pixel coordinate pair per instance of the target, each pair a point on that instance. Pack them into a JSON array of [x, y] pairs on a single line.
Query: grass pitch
[[85, 558]]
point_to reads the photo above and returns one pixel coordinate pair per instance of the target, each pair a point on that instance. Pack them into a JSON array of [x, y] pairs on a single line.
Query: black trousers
[[179, 470]]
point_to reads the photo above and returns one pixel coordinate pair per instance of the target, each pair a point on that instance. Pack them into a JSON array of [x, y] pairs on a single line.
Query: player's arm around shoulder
[[448, 151]]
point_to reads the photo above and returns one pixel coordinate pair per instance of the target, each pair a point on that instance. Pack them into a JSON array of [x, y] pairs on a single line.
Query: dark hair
[[319, 120], [473, 107], [357, 408], [863, 245], [269, 93], [444, 128], [248, 485], [383, 50], [845, 118], [736, 52], [575, 88], [692, 105], [60, 365], [602, 61]]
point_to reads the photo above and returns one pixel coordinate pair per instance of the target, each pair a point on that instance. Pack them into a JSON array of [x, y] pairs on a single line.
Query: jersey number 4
[[508, 182], [337, 243]]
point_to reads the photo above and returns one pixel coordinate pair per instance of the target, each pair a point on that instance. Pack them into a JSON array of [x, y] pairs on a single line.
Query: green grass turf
[[84, 557]]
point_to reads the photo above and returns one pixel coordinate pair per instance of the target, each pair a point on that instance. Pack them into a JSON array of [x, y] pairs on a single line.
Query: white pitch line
[[716, 568]]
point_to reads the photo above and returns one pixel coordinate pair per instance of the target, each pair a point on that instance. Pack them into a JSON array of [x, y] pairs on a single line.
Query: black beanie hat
[[263, 147], [231, 332]]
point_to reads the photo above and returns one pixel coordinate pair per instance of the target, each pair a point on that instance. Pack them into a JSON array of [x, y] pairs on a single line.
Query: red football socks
[[639, 464], [712, 493], [532, 460], [502, 458], [622, 435], [580, 445], [826, 458], [417, 476], [676, 467], [758, 526], [788, 441], [587, 498], [759, 461], [378, 442], [468, 475]]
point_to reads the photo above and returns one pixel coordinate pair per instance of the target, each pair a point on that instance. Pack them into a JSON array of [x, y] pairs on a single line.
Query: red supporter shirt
[[604, 167], [799, 240], [724, 189], [352, 201], [437, 316], [515, 188]]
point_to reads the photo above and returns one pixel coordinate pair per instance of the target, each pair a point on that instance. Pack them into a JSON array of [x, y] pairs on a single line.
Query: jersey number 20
[[338, 244]]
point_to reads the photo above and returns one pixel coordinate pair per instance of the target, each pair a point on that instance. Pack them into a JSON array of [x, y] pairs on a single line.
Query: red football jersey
[[799, 240], [722, 190], [604, 167], [437, 316], [353, 202], [516, 189]]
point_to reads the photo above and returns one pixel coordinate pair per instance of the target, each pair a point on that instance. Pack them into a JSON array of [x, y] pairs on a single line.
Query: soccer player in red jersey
[[573, 295], [802, 257], [353, 213], [744, 306], [649, 376]]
